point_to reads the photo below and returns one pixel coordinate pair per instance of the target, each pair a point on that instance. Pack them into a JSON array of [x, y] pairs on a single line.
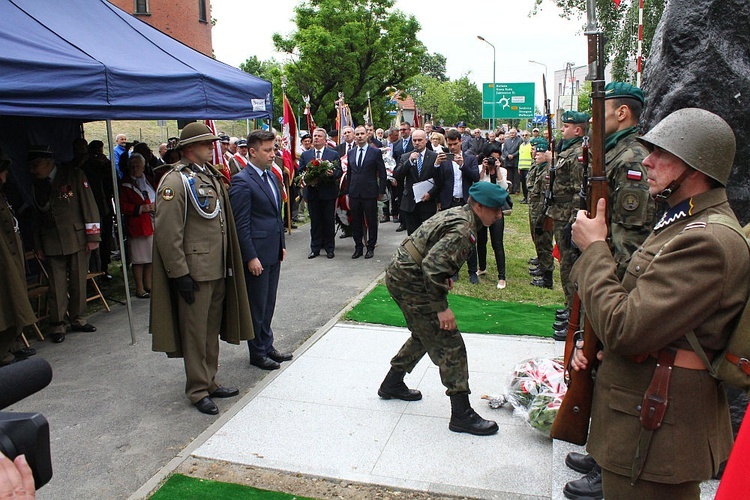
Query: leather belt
[[409, 247], [685, 358], [458, 200]]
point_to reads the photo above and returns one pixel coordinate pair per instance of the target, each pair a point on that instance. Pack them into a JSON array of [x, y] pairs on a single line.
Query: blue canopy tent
[[66, 62]]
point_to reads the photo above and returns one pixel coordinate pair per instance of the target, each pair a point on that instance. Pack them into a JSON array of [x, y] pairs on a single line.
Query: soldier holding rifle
[[690, 275]]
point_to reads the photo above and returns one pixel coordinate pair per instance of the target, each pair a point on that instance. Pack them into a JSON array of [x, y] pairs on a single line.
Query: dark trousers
[[496, 236], [395, 199], [364, 210], [322, 225], [513, 178], [524, 187], [261, 292], [421, 213]]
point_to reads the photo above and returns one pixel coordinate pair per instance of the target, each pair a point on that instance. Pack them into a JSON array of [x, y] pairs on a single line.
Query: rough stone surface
[[700, 57]]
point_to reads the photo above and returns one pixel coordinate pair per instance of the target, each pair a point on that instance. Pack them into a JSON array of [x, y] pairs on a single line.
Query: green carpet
[[472, 315], [179, 487]]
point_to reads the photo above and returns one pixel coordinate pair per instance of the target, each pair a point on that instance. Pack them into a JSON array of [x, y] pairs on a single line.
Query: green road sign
[[512, 100]]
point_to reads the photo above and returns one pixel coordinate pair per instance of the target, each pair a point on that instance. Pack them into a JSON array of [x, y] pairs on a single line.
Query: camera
[[25, 433], [490, 160]]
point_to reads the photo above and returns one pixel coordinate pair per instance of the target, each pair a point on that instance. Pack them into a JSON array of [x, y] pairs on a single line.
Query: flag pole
[[291, 172]]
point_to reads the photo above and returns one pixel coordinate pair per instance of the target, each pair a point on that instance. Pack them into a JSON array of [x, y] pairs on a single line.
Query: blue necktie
[[273, 192], [419, 165], [361, 153], [317, 154], [406, 141]]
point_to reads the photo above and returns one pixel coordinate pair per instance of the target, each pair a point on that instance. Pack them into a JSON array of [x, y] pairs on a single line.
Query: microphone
[[22, 379]]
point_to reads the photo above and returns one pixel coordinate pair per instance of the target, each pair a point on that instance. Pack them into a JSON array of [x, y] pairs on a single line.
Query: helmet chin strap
[[673, 186]]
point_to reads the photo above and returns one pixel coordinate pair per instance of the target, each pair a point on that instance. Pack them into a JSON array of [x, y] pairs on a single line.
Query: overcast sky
[[244, 28]]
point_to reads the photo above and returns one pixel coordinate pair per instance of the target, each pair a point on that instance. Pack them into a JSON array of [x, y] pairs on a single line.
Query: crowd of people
[[449, 190]]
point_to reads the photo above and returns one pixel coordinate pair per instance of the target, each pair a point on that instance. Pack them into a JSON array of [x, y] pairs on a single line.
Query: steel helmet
[[683, 133]]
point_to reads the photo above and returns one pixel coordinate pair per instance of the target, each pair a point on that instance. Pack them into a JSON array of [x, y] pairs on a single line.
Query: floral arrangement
[[318, 171]]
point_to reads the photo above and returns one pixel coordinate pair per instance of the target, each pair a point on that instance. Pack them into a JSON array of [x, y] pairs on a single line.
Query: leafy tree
[[620, 25], [468, 98], [434, 65], [270, 70], [349, 46], [584, 97]]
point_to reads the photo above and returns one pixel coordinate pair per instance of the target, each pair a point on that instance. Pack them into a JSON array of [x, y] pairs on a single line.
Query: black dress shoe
[[265, 363], [225, 392], [560, 335], [24, 353], [279, 356], [57, 337], [589, 486], [580, 462], [313, 255], [400, 228], [370, 254], [207, 406], [330, 255], [357, 253], [88, 327]]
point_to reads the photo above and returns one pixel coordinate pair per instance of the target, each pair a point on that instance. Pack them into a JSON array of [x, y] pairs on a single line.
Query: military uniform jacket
[[699, 282], [15, 310], [568, 180], [444, 242], [630, 207], [538, 182], [70, 219], [185, 242]]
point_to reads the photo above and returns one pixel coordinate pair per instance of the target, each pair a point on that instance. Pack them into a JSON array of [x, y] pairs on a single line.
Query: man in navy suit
[[366, 181], [421, 165], [402, 145], [458, 176], [255, 195], [321, 199]]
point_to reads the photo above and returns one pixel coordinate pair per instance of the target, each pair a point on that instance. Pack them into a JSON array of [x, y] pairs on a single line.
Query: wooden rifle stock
[[572, 421]]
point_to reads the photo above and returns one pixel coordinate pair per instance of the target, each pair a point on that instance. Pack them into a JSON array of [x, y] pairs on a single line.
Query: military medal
[[167, 194]]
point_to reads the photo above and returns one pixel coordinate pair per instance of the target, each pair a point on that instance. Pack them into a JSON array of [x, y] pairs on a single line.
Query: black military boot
[[533, 261], [545, 281], [564, 316], [465, 419], [589, 486], [536, 271], [393, 387], [580, 462], [560, 325]]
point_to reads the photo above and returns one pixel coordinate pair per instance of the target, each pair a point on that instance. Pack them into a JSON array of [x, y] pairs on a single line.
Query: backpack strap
[[732, 224]]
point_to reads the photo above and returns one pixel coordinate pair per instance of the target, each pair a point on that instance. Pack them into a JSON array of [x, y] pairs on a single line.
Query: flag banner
[[217, 158], [289, 145]]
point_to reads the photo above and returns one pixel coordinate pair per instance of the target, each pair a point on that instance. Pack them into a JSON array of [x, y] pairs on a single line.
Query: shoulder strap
[[732, 224]]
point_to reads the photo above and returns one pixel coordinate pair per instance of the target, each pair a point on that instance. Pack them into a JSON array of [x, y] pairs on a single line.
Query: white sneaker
[[500, 284], [481, 272]]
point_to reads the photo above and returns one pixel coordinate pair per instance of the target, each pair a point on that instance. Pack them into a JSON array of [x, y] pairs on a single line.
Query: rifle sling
[[653, 408]]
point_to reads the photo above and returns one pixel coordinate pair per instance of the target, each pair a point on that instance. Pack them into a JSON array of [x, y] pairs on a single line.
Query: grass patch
[[180, 487]]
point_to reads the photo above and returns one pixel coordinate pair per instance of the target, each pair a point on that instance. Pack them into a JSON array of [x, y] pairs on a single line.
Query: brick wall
[[178, 19]]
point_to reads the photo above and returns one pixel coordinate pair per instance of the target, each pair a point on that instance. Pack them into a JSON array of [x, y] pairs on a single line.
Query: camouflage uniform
[[444, 241], [538, 182], [566, 202], [631, 208]]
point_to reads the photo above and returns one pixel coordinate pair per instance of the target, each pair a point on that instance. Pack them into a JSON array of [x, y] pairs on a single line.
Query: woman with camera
[[493, 171]]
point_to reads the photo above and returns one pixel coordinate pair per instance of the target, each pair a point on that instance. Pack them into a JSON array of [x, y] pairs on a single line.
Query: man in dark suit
[[255, 196], [347, 141], [402, 145], [465, 168], [366, 180], [321, 198], [371, 139], [420, 165]]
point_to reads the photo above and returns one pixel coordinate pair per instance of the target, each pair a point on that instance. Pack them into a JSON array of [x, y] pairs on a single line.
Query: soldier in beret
[[537, 183], [66, 232], [631, 213], [419, 278], [198, 289]]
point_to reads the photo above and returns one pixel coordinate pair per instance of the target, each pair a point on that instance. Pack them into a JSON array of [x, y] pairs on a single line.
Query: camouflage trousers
[[543, 240], [446, 348], [568, 256]]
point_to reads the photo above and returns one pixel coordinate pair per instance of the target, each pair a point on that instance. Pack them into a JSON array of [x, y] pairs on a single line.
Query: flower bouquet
[[318, 171]]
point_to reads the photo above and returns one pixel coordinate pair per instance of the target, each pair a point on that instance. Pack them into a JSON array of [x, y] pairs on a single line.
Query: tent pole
[[118, 211]]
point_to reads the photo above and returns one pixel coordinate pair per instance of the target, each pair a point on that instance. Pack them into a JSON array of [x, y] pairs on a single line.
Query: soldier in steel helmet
[[690, 275], [419, 278], [198, 289]]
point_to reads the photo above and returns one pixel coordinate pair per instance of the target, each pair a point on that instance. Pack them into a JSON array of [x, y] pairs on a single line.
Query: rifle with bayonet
[[572, 421], [545, 222]]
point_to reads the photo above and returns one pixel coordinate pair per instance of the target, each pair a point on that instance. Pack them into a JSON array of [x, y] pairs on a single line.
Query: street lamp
[[546, 76], [494, 92]]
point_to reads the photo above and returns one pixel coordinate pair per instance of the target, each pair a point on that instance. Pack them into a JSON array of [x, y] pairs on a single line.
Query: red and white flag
[[217, 156], [289, 144]]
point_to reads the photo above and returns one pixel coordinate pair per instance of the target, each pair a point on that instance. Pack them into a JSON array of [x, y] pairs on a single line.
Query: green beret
[[488, 194], [542, 145], [575, 117], [615, 90]]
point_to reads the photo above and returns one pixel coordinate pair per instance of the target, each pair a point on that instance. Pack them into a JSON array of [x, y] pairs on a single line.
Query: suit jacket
[[341, 148], [369, 179], [469, 175], [398, 148], [257, 215], [326, 190], [406, 175], [376, 142]]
